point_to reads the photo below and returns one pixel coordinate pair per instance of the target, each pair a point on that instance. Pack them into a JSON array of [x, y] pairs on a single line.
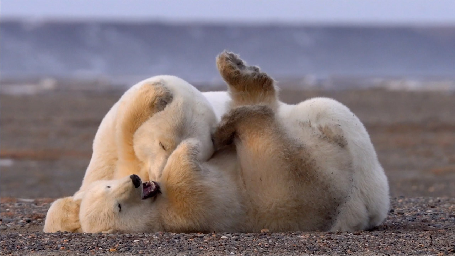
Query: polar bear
[[281, 144], [139, 133]]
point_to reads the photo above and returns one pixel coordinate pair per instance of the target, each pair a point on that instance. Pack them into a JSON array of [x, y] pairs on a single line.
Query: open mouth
[[150, 189]]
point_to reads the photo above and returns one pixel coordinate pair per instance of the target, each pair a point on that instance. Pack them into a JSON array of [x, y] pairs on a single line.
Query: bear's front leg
[[183, 186], [247, 85]]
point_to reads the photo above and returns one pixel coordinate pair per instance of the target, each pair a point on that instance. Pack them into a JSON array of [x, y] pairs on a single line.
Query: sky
[[377, 12]]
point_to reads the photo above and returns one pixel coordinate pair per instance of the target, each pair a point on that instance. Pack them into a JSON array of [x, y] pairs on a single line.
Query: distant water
[[312, 56]]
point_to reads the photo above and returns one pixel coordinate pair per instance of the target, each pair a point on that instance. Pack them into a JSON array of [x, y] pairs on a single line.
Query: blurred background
[[63, 64]]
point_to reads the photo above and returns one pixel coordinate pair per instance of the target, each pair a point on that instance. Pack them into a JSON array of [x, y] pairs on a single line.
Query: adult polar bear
[[313, 169], [258, 121]]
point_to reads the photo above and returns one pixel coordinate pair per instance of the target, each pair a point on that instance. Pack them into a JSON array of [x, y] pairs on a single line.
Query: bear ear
[[162, 95]]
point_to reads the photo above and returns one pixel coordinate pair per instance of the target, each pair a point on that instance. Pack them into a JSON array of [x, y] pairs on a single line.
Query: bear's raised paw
[[242, 78]]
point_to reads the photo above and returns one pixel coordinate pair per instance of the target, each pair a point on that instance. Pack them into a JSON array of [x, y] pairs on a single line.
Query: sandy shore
[[46, 145]]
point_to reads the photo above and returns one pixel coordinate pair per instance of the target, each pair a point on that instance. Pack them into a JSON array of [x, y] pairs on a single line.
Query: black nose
[[136, 180]]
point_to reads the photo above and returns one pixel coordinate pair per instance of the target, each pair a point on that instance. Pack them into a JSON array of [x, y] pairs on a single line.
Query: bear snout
[[136, 180]]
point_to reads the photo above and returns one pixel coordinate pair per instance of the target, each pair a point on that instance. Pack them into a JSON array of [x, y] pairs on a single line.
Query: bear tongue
[[150, 189]]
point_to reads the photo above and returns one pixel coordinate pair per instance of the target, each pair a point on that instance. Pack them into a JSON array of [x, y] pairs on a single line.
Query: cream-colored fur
[[63, 215], [311, 166]]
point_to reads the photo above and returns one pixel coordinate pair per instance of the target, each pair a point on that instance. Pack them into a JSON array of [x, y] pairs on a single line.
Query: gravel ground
[[414, 226]]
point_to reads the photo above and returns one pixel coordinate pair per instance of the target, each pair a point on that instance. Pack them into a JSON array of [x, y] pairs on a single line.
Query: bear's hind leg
[[247, 84]]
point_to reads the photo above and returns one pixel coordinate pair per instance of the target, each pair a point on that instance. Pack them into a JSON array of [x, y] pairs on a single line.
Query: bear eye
[[119, 207], [162, 146], [108, 186]]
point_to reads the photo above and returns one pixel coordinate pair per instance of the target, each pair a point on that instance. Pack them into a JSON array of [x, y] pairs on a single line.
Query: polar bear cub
[[312, 163]]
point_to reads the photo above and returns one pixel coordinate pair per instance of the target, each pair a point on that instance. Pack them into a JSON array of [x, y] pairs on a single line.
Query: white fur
[[219, 101], [368, 202], [300, 162]]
